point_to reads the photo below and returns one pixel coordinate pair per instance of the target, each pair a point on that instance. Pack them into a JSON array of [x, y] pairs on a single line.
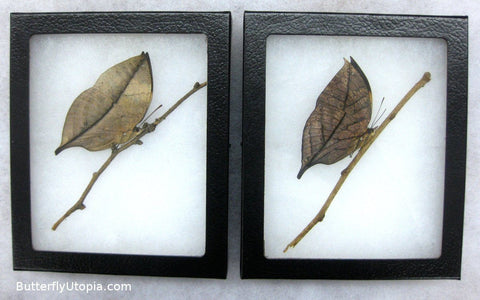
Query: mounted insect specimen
[[339, 122], [338, 126], [109, 115]]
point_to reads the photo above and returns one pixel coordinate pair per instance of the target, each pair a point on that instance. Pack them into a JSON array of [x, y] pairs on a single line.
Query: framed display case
[[161, 207], [399, 214]]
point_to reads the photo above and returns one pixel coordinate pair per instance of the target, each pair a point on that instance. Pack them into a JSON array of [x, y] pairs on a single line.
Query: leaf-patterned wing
[[106, 114], [339, 120]]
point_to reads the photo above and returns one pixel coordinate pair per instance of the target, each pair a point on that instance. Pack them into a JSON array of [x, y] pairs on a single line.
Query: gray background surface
[[233, 287]]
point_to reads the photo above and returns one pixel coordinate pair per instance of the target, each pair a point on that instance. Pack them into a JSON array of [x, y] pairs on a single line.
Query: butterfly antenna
[[375, 119], [146, 118]]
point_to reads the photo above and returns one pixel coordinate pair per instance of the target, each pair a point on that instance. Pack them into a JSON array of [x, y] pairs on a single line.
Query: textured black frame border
[[257, 27], [216, 26]]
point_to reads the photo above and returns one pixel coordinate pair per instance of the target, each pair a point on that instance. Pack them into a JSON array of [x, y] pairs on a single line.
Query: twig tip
[[427, 76]]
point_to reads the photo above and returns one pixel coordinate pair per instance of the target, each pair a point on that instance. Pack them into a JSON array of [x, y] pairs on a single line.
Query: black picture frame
[[258, 26], [216, 27]]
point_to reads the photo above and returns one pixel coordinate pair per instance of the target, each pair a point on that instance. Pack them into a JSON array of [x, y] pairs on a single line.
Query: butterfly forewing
[[340, 118], [105, 114]]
